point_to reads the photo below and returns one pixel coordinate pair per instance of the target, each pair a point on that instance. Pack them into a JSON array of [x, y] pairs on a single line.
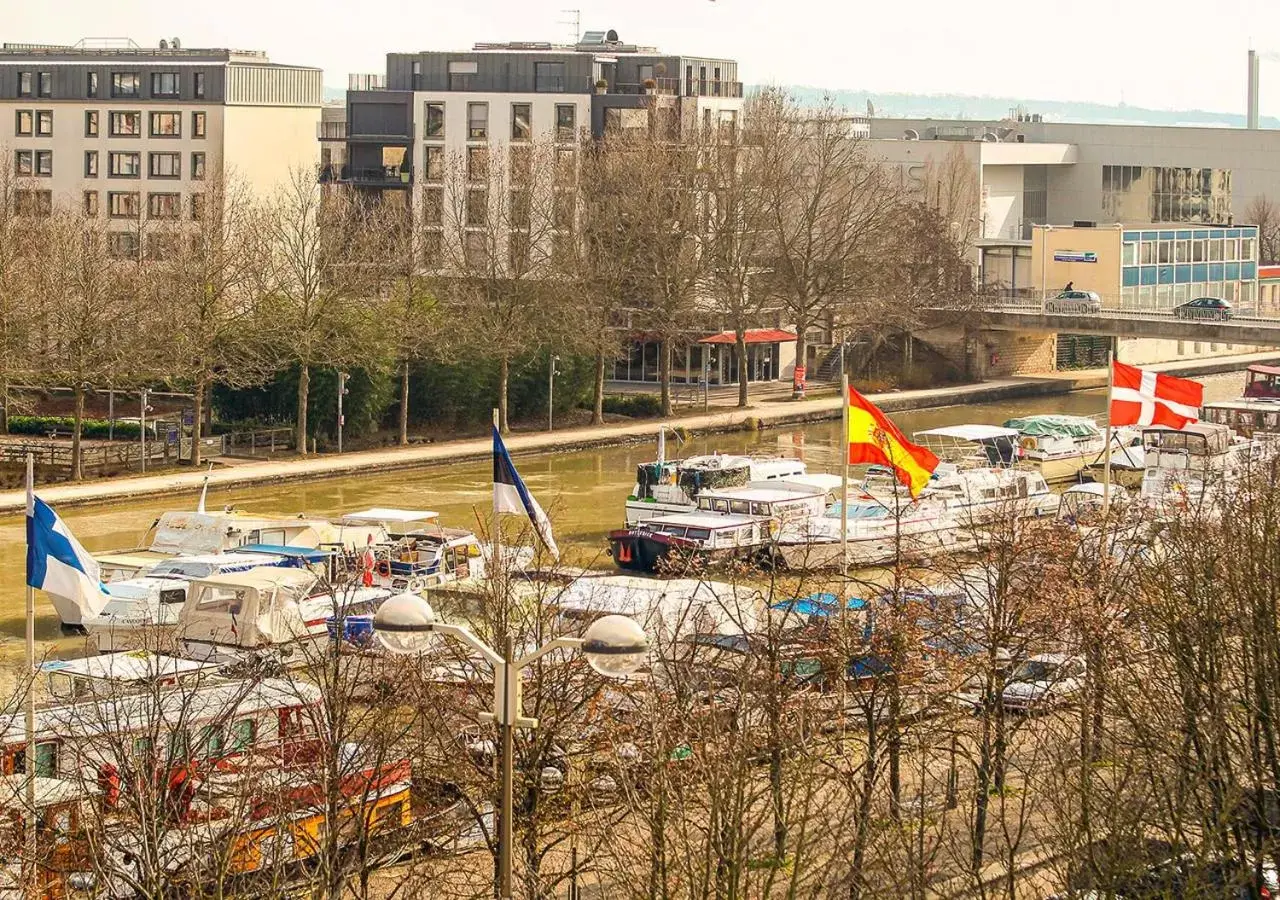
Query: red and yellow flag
[[873, 439]]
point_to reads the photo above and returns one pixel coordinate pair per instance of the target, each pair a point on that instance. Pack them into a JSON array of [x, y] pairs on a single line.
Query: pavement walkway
[[767, 413]]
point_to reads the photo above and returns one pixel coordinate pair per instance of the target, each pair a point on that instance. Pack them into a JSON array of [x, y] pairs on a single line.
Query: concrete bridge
[[1239, 329]]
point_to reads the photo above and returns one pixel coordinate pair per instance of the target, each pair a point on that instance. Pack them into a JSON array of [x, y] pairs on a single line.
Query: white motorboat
[[1059, 446], [876, 532], [1188, 467], [269, 613], [973, 495], [666, 487], [145, 609]]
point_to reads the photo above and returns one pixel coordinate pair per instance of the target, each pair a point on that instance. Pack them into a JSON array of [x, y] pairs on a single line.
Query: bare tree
[[1264, 213]]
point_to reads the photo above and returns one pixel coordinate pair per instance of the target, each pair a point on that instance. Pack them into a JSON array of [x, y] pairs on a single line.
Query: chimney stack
[[1251, 116]]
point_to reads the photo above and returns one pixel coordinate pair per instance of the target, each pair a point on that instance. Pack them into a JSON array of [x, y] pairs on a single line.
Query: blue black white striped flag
[[511, 496]]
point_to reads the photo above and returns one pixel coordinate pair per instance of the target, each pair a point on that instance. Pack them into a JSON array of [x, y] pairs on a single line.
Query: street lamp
[[615, 646], [551, 392], [142, 427], [342, 392]]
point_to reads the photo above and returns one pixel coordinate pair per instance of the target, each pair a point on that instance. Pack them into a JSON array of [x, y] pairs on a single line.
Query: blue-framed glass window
[[1148, 275], [1166, 275], [1233, 232], [1248, 271], [1182, 274], [1216, 271], [1249, 232], [1184, 235], [1132, 235], [1151, 235], [1233, 271], [1201, 233], [1200, 273], [1129, 276]]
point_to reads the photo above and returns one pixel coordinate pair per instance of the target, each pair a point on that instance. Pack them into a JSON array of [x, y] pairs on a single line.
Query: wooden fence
[[259, 442]]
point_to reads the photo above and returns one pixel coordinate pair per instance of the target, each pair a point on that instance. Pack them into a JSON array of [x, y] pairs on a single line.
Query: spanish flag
[[873, 439]]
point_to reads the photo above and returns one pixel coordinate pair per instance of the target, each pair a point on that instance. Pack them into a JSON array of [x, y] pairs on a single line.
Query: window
[[123, 244], [179, 745], [45, 84], [1129, 254], [91, 84], [646, 73], [44, 162], [243, 734], [124, 84], [477, 206], [548, 77], [25, 88], [91, 164], [197, 124], [435, 163], [565, 165], [25, 123], [197, 207], [521, 165], [566, 124], [126, 124], [122, 205], [477, 163], [432, 248], [474, 249], [460, 72], [197, 166], [44, 122], [477, 121], [521, 122], [24, 162], [164, 165], [1165, 255], [38, 204], [435, 120], [197, 85], [209, 743], [91, 203], [518, 252], [563, 210], [164, 84], [91, 123], [433, 206], [521, 204], [1246, 248], [166, 124], [47, 759], [1148, 254], [124, 165]]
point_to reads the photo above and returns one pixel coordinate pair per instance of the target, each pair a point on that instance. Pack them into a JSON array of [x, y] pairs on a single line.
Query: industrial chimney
[[1251, 116]]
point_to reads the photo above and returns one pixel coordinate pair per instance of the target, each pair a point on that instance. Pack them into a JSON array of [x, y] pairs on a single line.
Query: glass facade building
[[1165, 266]]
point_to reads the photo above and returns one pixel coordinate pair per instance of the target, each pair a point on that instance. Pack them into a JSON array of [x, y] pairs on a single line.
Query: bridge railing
[[1114, 307]]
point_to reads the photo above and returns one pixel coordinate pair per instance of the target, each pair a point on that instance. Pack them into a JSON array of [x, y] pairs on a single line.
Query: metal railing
[[331, 131], [260, 441], [375, 175]]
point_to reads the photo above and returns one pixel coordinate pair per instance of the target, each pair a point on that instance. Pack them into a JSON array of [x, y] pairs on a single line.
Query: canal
[[583, 492]]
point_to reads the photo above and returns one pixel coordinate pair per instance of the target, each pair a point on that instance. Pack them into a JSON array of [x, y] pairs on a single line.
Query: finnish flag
[[511, 496], [59, 566]]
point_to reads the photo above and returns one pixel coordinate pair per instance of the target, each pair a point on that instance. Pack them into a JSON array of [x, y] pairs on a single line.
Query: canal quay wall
[[822, 406]]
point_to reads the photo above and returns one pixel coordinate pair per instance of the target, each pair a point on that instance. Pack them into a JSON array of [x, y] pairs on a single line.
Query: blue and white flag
[[59, 566], [511, 496]]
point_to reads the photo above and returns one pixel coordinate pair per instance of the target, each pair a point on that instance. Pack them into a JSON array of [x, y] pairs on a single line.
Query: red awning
[[753, 335]]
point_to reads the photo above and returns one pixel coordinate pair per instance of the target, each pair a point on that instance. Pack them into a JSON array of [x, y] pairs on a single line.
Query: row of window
[[123, 84], [476, 208], [1187, 274], [521, 164], [521, 253], [122, 123], [39, 163], [1166, 296], [1187, 250], [120, 204], [478, 121]]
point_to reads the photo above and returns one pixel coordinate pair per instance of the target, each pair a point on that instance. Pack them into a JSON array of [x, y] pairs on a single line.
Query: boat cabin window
[[223, 599], [720, 506], [209, 743], [699, 534], [673, 530], [46, 760], [144, 749], [179, 746], [173, 596], [243, 734], [741, 507]]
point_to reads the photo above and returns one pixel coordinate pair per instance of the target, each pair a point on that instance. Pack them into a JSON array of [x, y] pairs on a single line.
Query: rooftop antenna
[[573, 19]]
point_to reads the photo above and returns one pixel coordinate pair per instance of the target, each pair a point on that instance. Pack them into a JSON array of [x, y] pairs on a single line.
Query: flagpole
[[30, 751], [495, 527], [844, 475], [1106, 454]]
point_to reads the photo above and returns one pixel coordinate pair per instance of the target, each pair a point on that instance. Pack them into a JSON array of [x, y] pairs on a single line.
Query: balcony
[[331, 131], [377, 176]]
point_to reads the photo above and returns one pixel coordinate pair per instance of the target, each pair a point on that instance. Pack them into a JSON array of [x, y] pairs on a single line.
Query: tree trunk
[[664, 375], [802, 350], [77, 447], [197, 424], [4, 408], [304, 388], [597, 393], [908, 356], [404, 405], [741, 341], [504, 376], [208, 408]]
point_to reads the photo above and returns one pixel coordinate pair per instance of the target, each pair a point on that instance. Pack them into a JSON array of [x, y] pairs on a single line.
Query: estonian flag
[[511, 496], [59, 566]]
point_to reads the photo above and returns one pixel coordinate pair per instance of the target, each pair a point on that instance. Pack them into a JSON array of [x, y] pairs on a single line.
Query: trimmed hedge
[[637, 406], [90, 428]]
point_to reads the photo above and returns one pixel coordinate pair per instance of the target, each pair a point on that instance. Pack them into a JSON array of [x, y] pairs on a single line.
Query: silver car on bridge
[[1074, 302]]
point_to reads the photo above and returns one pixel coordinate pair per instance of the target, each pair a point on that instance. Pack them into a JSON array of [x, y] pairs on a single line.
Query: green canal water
[[583, 491]]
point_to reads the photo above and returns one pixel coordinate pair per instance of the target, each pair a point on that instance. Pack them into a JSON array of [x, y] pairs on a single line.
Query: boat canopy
[[304, 554], [387, 515], [819, 604], [1260, 369], [126, 667], [972, 432], [1055, 426]]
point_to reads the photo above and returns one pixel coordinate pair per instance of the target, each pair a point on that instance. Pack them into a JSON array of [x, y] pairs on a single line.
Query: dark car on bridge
[[1074, 302], [1204, 308]]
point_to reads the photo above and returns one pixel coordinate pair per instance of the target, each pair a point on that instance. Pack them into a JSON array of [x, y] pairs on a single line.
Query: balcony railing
[[331, 131], [376, 176]]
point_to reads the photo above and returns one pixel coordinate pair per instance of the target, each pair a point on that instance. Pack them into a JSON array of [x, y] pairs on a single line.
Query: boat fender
[[417, 585], [384, 568]]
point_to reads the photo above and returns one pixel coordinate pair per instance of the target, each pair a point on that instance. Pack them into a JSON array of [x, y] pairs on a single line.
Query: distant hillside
[[962, 106]]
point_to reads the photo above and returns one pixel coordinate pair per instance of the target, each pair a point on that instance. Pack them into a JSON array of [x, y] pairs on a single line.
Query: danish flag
[[1148, 398]]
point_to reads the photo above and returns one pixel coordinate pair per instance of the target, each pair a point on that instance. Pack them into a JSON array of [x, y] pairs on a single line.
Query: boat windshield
[[1036, 670], [860, 511]]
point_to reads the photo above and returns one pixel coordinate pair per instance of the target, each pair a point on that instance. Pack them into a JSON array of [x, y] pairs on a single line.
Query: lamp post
[[615, 646], [142, 429], [551, 392], [342, 392]]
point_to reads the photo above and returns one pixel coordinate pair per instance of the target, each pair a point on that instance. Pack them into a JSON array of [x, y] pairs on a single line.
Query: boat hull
[[661, 554]]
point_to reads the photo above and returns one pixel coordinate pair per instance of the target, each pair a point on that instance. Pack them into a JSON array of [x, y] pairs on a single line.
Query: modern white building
[[133, 133]]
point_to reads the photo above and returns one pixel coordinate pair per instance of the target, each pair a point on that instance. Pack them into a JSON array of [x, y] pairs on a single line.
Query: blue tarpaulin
[[822, 604]]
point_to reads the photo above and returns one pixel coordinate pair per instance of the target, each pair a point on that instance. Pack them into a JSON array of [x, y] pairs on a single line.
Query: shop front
[[768, 359]]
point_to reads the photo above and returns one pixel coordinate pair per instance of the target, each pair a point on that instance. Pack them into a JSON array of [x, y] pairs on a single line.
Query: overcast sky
[[1161, 53]]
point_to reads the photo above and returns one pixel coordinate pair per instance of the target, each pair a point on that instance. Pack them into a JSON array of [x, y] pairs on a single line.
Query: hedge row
[[637, 406], [90, 428]]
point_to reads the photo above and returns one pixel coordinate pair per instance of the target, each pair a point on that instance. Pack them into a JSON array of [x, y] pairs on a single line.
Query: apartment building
[[132, 133]]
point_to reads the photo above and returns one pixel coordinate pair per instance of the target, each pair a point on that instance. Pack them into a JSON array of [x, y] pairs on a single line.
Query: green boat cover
[[1054, 426]]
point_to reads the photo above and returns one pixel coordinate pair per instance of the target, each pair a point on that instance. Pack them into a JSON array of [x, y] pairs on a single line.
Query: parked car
[[1043, 681], [1204, 308], [1074, 302]]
